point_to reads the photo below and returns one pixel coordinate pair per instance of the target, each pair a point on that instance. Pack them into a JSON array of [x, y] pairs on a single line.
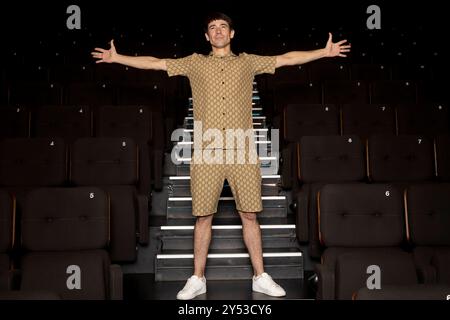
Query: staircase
[[228, 258]]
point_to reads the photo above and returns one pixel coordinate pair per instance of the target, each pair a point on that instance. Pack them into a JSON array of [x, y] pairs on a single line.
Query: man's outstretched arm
[[292, 58], [111, 56]]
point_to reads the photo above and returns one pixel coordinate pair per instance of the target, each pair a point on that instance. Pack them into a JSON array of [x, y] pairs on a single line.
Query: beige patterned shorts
[[207, 183]]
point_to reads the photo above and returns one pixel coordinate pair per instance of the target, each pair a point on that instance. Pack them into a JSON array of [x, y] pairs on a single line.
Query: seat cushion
[[72, 275], [355, 270]]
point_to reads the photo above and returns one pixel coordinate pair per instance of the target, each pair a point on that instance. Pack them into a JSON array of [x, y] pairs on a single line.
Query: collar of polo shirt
[[231, 54]]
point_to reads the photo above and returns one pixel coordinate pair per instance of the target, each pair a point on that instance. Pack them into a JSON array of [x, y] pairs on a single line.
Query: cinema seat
[[362, 228], [65, 237], [322, 160], [428, 217], [304, 120], [112, 164]]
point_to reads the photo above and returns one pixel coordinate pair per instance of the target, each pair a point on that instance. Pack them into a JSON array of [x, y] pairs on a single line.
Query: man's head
[[219, 29]]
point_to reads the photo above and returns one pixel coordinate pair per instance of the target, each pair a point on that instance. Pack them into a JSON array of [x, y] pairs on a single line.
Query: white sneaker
[[194, 287], [265, 284]]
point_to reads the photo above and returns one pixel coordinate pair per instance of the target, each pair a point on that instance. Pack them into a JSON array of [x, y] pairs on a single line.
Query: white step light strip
[[258, 130], [192, 142], [228, 198], [254, 117], [253, 109], [229, 255], [231, 227], [260, 158], [275, 176]]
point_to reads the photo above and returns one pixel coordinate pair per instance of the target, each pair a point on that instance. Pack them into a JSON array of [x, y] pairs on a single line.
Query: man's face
[[219, 33]]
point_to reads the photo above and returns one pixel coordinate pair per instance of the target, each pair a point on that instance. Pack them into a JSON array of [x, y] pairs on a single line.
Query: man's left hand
[[337, 49]]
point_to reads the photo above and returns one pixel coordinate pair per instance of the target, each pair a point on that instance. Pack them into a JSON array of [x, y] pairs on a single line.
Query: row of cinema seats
[[155, 95], [357, 91], [111, 164], [397, 160], [342, 70], [138, 122], [313, 72], [160, 96], [84, 93], [63, 247], [109, 82], [355, 119], [381, 243], [87, 71], [353, 92]]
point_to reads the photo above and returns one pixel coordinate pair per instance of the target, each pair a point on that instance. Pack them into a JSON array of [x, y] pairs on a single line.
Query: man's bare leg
[[252, 238], [202, 239]]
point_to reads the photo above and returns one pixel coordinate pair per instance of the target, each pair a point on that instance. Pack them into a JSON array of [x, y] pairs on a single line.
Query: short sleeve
[[180, 66], [262, 64]]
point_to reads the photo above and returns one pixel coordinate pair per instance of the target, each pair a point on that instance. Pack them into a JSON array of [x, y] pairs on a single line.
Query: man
[[221, 85]]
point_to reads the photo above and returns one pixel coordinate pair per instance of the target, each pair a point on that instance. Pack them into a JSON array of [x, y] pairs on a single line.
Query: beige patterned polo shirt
[[222, 89]]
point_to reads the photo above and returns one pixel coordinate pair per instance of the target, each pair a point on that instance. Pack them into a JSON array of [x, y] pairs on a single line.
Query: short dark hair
[[212, 16]]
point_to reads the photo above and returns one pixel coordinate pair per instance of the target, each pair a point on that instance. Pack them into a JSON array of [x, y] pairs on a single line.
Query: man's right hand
[[108, 56]]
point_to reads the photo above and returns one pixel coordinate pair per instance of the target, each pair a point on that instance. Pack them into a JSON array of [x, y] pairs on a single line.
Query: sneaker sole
[[266, 293], [190, 298]]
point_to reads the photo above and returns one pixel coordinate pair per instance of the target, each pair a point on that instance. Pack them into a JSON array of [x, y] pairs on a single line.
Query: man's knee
[[248, 216], [205, 220]]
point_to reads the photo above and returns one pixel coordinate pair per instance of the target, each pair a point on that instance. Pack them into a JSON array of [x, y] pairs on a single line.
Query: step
[[159, 221], [289, 219], [184, 190], [256, 125], [255, 117], [181, 207], [185, 149], [259, 134], [254, 109], [228, 237], [256, 130], [263, 148], [186, 179], [254, 97], [255, 113], [269, 162], [227, 265], [265, 161], [191, 143], [187, 137], [258, 122], [269, 166]]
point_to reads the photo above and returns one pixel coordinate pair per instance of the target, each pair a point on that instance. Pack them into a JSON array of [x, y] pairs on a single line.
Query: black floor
[[144, 287]]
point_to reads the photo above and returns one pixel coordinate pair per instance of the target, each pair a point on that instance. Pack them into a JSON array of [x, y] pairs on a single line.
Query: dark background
[[22, 23]]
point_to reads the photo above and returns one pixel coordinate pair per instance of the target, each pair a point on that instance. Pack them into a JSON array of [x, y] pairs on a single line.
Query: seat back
[[368, 119], [65, 232], [360, 215], [330, 159], [404, 158], [66, 122], [310, 120], [33, 162], [104, 161]]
